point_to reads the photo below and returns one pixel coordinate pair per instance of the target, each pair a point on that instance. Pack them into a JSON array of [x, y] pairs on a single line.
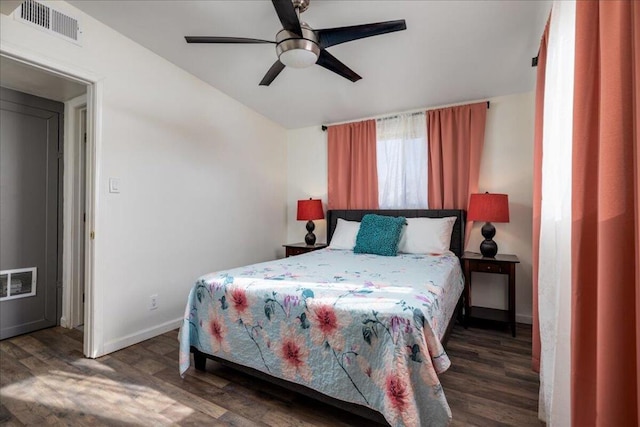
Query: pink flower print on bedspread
[[325, 326], [217, 329], [399, 399], [293, 354], [239, 304]]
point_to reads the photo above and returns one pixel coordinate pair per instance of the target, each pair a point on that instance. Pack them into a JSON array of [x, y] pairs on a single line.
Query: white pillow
[[426, 235], [344, 236]]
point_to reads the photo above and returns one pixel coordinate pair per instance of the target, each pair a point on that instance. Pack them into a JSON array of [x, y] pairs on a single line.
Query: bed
[[363, 332]]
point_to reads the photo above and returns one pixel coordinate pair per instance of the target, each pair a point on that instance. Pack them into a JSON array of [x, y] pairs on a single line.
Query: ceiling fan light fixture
[[298, 58]]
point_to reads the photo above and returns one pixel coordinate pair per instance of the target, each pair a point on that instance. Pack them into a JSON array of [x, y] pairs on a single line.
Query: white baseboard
[[140, 336], [524, 319]]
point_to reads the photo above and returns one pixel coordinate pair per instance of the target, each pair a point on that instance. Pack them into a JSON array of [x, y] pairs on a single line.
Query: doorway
[[34, 73], [30, 203]]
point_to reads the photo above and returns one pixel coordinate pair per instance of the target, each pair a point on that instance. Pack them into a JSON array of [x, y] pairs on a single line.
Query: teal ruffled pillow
[[379, 235]]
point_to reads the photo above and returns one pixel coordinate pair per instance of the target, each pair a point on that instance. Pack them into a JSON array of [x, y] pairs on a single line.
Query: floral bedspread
[[361, 328]]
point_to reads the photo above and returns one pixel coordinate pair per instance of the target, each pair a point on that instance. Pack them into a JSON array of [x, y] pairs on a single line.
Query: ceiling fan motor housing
[[295, 51]]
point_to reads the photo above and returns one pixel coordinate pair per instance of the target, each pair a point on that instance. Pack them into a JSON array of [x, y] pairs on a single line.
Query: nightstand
[[501, 264], [302, 248]]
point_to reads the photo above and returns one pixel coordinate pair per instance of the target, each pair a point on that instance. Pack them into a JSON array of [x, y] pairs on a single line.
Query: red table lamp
[[308, 210], [489, 208]]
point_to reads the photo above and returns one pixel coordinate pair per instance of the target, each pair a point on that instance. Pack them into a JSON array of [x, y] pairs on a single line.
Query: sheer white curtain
[[402, 161], [554, 276]]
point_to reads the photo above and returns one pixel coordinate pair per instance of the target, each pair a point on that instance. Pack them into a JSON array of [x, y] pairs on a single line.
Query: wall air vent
[[50, 20], [18, 283]]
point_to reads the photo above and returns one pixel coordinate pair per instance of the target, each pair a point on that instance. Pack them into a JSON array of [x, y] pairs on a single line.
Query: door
[[30, 206]]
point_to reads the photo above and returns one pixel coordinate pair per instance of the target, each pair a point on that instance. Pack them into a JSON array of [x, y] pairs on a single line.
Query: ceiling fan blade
[[238, 40], [331, 63], [288, 16], [333, 36], [273, 72]]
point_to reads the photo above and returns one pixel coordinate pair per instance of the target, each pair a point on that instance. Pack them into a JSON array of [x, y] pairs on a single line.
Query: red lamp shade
[[311, 209], [308, 210], [489, 208]]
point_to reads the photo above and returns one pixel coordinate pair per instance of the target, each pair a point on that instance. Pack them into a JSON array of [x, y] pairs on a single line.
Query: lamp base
[[310, 238], [488, 248]]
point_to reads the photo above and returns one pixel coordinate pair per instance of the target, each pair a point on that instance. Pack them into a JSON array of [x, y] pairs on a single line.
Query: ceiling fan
[[299, 46]]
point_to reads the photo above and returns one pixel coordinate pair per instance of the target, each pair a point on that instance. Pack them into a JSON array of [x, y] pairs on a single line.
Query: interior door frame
[[94, 319], [74, 241]]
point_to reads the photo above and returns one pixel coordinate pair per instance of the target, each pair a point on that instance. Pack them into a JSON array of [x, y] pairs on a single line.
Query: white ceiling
[[451, 52]]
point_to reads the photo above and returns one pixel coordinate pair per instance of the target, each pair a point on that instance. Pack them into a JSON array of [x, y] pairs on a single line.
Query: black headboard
[[457, 236]]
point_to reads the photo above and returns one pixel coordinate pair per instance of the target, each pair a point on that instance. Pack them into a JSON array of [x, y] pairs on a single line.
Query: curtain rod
[[417, 113], [324, 127]]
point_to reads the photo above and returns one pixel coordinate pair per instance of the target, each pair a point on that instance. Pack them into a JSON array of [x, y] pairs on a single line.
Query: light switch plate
[[114, 185]]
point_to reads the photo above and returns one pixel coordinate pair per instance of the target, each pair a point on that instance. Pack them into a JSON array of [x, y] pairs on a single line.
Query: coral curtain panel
[[537, 191], [605, 287], [352, 173], [456, 138]]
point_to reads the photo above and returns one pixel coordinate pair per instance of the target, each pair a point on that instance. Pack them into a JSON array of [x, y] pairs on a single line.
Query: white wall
[[506, 167], [307, 177], [203, 178]]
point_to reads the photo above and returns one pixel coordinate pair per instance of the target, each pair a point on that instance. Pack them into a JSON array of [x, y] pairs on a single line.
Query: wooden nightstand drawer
[[295, 251], [302, 248], [488, 267]]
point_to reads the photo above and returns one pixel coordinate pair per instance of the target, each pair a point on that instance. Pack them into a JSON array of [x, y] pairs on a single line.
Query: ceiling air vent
[[48, 19]]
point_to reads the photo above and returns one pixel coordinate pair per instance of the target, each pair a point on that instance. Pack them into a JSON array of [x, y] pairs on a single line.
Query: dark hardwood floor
[[44, 379]]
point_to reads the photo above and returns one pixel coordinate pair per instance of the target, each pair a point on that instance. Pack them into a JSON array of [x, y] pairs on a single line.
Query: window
[[401, 150]]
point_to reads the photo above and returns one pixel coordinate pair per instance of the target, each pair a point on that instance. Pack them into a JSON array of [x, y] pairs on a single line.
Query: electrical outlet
[[153, 302]]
